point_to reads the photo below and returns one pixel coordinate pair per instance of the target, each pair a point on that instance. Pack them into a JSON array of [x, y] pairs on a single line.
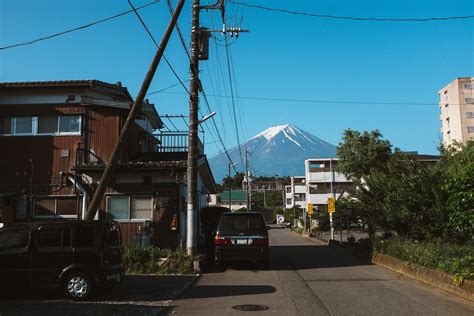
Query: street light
[[230, 185], [205, 118]]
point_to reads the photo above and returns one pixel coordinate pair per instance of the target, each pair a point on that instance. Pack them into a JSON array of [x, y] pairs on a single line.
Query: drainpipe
[[85, 196]]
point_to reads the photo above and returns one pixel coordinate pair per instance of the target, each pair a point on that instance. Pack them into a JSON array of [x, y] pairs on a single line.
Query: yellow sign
[[310, 208], [331, 204]]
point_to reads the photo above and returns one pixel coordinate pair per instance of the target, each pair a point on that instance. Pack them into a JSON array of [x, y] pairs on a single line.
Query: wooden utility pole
[[192, 172], [110, 166]]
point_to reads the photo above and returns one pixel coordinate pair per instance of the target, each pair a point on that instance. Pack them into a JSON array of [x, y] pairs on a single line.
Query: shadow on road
[[312, 257], [206, 291], [138, 294]]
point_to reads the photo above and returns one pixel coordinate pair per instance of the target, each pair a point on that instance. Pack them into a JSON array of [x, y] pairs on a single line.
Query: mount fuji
[[279, 150]]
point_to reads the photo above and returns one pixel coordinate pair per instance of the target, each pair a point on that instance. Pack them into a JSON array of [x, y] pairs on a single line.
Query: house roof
[[236, 195], [100, 86]]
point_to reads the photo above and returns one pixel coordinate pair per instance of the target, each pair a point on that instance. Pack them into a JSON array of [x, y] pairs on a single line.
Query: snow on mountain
[[278, 150]]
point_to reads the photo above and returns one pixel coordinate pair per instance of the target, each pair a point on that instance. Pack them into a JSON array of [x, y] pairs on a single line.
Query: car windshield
[[242, 223]]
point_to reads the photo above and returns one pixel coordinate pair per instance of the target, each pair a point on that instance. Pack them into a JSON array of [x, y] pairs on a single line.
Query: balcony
[[175, 142]]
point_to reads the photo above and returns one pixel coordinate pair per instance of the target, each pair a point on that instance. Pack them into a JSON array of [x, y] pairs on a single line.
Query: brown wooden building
[[55, 138]]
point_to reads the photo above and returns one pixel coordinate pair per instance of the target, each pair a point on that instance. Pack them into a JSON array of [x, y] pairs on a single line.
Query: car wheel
[[77, 286]]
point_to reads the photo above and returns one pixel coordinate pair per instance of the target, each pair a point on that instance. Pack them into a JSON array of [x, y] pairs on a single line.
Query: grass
[[457, 260], [153, 260]]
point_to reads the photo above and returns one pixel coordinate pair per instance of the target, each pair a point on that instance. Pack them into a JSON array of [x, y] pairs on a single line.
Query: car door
[[15, 256], [51, 254]]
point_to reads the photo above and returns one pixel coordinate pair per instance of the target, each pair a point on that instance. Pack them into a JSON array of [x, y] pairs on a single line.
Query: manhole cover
[[250, 308]]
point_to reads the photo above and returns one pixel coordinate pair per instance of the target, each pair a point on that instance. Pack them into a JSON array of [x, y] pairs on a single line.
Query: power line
[[156, 44], [76, 28], [167, 88], [233, 102], [181, 37], [352, 18], [315, 101]]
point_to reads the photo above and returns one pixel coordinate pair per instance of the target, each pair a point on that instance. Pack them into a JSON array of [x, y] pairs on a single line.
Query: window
[[470, 129], [288, 201], [129, 208], [69, 124], [5, 125], [84, 236], [117, 207], [41, 125], [469, 100], [470, 114], [23, 125], [47, 124], [140, 208], [468, 86], [49, 238], [14, 240], [288, 189], [64, 206]]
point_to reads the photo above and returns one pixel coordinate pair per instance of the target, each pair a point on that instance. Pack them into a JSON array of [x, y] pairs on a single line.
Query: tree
[[457, 162]]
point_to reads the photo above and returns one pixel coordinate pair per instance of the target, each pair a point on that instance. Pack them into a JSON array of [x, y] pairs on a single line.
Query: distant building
[[238, 199], [295, 193], [323, 181], [456, 102]]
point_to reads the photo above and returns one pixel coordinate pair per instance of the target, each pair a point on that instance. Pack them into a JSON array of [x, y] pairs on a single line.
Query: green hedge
[[457, 260], [153, 260]]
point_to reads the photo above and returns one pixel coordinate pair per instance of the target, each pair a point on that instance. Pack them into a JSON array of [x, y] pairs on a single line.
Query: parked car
[[75, 256], [242, 237]]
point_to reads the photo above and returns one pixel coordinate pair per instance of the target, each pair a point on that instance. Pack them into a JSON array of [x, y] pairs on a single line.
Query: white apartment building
[[456, 103], [323, 181], [295, 193]]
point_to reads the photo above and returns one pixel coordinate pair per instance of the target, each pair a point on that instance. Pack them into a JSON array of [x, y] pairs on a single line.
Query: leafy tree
[[457, 162]]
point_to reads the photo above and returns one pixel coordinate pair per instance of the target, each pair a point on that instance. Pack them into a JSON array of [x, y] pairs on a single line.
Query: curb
[[436, 278]]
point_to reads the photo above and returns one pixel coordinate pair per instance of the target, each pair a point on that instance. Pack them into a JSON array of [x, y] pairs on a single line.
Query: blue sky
[[284, 56]]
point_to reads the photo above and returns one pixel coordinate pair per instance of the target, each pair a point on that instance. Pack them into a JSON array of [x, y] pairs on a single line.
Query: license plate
[[241, 242], [115, 277]]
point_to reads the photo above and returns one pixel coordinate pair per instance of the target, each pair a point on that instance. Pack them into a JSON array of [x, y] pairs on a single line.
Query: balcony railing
[[172, 142]]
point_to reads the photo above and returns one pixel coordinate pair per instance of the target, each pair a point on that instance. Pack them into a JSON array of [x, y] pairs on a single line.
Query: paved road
[[307, 277]]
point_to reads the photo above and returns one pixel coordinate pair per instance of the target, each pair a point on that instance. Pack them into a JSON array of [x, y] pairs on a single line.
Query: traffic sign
[[331, 204], [310, 208]]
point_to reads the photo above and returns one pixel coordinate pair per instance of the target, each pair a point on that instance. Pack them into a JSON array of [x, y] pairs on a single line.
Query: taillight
[[221, 241], [260, 241]]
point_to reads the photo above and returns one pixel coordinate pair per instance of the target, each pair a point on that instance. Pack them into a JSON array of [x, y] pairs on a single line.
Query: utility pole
[[247, 178], [331, 223], [192, 198], [230, 186], [110, 166], [198, 38]]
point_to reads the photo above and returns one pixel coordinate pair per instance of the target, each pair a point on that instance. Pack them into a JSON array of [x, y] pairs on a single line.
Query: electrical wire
[[156, 44], [76, 28], [353, 18], [317, 101]]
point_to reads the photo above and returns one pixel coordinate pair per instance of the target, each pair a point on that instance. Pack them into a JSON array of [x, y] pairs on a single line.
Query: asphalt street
[[307, 277]]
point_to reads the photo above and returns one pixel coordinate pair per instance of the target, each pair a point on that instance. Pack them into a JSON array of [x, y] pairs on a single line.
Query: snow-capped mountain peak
[[278, 150]]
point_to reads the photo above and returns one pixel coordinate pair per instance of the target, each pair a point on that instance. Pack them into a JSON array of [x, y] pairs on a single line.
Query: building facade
[[58, 136], [323, 181], [456, 103], [295, 193]]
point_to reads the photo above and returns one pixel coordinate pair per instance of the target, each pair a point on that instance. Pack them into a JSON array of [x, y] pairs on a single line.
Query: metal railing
[[172, 142]]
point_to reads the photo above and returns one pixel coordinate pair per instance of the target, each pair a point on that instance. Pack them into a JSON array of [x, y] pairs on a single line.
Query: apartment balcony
[[315, 177]]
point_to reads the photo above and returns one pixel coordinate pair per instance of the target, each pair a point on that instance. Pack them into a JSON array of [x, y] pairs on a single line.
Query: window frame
[[35, 125], [129, 198], [21, 250], [55, 198]]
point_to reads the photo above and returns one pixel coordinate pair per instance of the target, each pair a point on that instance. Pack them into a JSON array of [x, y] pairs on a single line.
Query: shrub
[[153, 260], [452, 258]]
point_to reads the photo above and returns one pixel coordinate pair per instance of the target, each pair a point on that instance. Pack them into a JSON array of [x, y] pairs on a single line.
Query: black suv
[[242, 237], [76, 256]]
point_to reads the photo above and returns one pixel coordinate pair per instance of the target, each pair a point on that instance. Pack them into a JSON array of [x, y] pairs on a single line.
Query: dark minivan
[[75, 256], [242, 237]]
